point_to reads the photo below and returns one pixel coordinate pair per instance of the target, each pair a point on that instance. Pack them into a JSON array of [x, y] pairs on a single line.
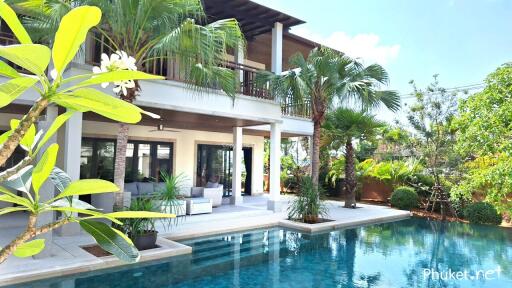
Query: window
[[97, 159], [144, 160]]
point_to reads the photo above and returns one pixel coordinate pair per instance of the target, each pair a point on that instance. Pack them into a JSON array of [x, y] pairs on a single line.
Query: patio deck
[[68, 258]]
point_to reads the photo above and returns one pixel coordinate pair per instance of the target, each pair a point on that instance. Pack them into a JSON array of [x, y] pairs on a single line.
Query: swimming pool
[[405, 253]]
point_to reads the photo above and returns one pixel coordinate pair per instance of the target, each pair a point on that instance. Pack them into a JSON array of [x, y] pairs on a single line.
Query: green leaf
[[15, 199], [44, 167], [33, 57], [9, 16], [8, 71], [11, 89], [5, 136], [22, 180], [116, 76], [27, 140], [123, 235], [140, 214], [71, 34], [111, 241], [30, 248], [94, 214], [57, 123], [60, 179], [88, 99], [76, 203], [87, 186]]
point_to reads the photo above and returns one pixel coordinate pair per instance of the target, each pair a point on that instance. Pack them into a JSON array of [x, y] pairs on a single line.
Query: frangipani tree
[[74, 94], [163, 30]]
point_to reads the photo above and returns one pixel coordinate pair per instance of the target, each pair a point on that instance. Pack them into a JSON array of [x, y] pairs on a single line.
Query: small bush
[[404, 198], [482, 213]]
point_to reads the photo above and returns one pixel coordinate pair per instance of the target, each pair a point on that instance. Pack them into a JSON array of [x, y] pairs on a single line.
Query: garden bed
[[97, 251]]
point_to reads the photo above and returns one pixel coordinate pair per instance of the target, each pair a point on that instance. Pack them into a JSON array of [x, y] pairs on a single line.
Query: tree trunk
[[315, 157], [120, 164], [15, 138], [350, 175], [121, 143]]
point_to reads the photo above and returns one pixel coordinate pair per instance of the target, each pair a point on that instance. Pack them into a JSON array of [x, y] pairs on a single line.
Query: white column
[[47, 190], [275, 168], [239, 59], [72, 150], [236, 197], [277, 48]]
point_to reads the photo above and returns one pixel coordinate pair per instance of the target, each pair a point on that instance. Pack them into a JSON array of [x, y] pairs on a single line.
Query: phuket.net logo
[[462, 275]]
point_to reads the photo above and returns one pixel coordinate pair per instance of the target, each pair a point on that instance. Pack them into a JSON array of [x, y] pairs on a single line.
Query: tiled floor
[[67, 257]]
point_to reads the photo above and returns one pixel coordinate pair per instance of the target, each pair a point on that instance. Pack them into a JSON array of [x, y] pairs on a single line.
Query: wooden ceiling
[[172, 119], [254, 19]]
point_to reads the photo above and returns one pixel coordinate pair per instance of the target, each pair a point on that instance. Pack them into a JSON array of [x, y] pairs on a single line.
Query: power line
[[451, 89]]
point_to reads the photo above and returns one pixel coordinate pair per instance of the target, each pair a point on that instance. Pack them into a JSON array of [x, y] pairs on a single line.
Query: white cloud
[[364, 46]]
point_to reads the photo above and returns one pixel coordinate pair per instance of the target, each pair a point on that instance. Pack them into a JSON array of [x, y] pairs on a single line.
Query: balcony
[[170, 70]]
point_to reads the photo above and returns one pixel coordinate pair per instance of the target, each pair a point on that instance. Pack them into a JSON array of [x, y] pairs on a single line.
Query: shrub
[[404, 198], [482, 213]]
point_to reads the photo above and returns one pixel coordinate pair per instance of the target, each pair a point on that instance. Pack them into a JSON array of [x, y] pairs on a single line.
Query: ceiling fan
[[160, 127]]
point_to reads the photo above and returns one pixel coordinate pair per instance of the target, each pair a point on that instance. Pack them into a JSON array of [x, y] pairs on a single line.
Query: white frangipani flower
[[54, 74], [123, 86], [117, 61]]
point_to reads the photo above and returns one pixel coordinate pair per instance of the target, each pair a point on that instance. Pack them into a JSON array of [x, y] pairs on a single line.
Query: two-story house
[[205, 136]]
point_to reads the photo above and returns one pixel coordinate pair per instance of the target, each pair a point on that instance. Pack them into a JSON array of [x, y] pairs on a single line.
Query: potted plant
[[168, 197], [142, 231], [307, 207]]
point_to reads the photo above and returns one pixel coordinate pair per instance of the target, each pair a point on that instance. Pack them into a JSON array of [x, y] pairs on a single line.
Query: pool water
[[405, 253]]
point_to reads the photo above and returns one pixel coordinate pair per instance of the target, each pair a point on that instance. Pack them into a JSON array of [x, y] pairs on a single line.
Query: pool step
[[226, 253], [213, 244], [221, 259]]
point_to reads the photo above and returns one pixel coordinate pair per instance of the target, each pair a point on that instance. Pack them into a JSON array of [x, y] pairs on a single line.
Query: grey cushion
[[158, 187], [131, 187], [212, 185], [199, 200], [145, 188], [196, 192]]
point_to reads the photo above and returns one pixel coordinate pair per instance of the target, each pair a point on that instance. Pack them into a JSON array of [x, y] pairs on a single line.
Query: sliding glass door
[[215, 165]]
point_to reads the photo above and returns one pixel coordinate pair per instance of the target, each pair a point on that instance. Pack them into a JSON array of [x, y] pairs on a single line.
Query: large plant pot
[[311, 219], [146, 241]]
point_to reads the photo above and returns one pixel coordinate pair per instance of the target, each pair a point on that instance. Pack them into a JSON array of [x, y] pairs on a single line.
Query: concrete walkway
[[67, 256]]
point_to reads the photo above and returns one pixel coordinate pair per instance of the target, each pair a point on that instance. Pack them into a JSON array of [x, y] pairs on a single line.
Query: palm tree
[[151, 30], [328, 79], [341, 128]]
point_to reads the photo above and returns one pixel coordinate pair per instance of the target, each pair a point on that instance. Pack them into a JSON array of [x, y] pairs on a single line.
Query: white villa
[[206, 136]]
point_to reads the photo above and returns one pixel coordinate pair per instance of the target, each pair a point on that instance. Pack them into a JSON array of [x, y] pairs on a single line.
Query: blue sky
[[462, 40]]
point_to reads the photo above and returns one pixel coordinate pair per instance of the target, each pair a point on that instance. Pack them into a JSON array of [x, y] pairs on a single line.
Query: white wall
[[185, 146]]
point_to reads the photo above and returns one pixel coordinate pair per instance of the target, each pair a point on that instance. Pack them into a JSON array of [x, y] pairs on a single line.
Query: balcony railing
[[291, 108], [170, 69]]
